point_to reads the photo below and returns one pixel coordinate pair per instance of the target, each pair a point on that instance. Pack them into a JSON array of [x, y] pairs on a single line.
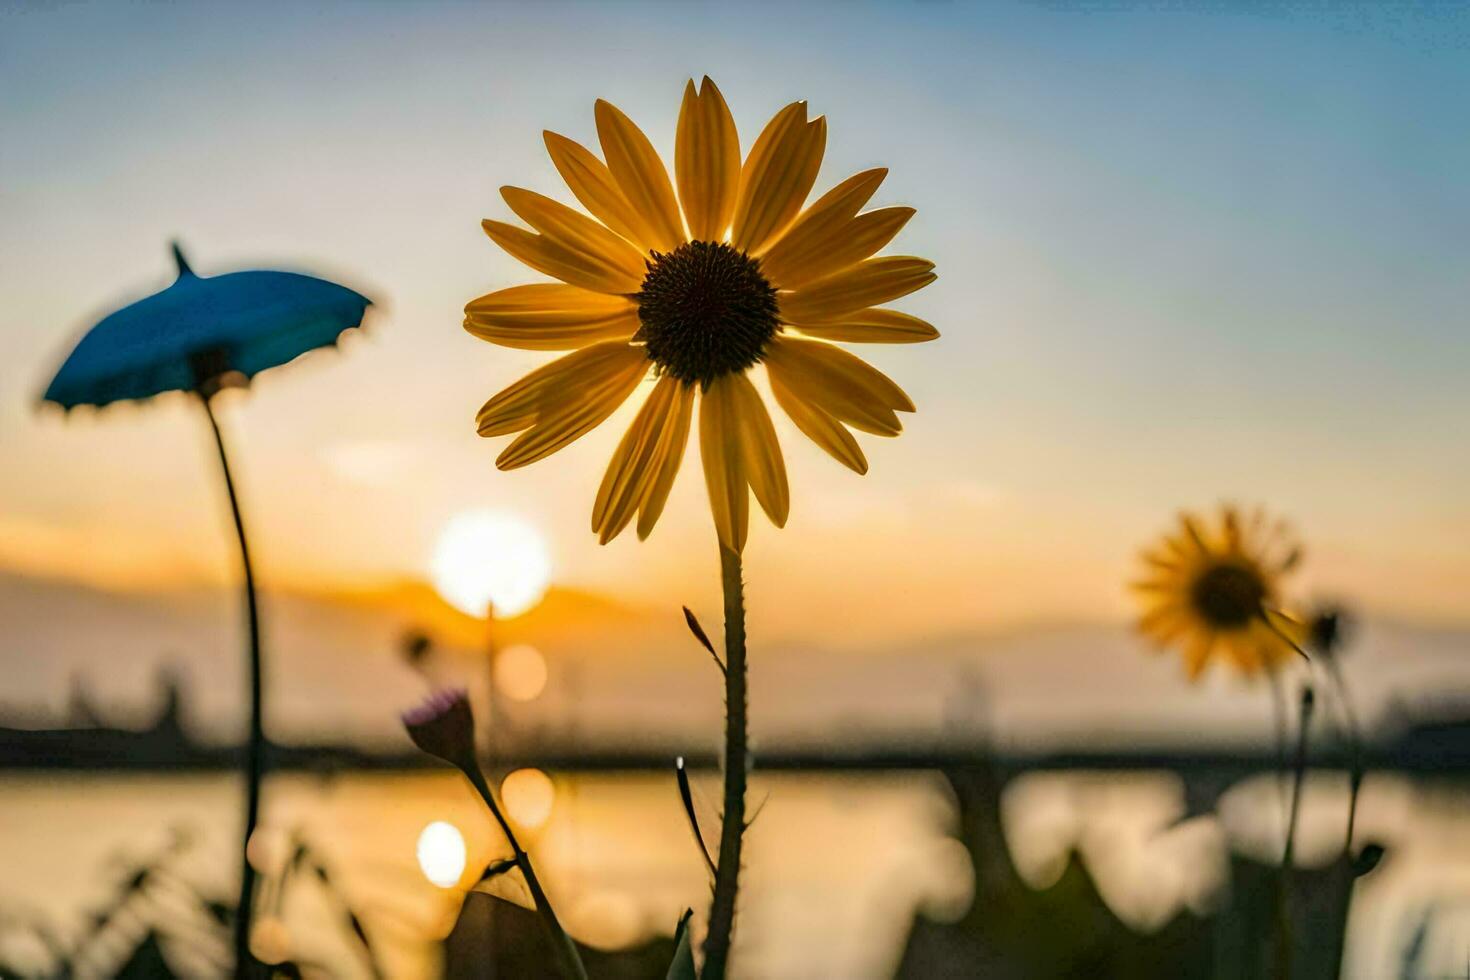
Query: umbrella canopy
[[202, 327], [194, 336]]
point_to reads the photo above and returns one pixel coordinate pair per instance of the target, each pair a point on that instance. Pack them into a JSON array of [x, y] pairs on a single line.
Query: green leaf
[[683, 966]]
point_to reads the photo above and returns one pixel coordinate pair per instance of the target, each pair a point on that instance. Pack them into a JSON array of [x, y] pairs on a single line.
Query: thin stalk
[[1354, 732], [1278, 716], [255, 751], [1265, 617], [325, 876], [727, 874], [1288, 853], [1355, 744], [568, 959]]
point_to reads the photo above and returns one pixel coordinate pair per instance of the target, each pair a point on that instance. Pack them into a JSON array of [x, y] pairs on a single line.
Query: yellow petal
[[839, 383], [1163, 623], [1166, 561], [1230, 527], [575, 231], [1160, 613], [574, 268], [571, 414], [821, 428], [872, 326], [640, 174], [1176, 548], [562, 380], [1270, 647], [1197, 655], [635, 463], [868, 283], [724, 474], [1160, 591], [550, 316], [820, 222], [777, 176], [849, 244], [760, 452], [1243, 653], [1193, 538], [593, 184], [667, 459], [1287, 632], [707, 161]]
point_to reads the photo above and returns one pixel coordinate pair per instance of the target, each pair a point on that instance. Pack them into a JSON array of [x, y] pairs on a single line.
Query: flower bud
[[444, 727]]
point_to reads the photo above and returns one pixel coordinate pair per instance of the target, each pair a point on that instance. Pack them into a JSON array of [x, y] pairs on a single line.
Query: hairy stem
[[568, 959], [727, 875]]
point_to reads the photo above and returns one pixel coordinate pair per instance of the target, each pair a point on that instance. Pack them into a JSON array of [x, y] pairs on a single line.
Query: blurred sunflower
[[698, 288], [1215, 591]]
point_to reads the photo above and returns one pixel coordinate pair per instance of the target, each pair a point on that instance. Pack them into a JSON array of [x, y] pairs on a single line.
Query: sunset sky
[[1183, 256]]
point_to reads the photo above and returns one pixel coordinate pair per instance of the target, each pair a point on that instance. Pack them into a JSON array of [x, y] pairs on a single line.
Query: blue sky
[[1185, 255]]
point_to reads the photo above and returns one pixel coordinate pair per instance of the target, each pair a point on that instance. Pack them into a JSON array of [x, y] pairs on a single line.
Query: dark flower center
[[706, 311], [1228, 596]]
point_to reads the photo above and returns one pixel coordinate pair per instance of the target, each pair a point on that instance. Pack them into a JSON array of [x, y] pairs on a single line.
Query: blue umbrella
[[237, 324], [199, 335]]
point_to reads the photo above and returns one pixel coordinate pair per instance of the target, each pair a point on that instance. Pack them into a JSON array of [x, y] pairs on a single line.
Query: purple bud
[[444, 726]]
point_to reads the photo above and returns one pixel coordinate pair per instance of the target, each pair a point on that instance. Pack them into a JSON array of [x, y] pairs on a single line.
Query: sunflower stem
[[727, 874], [564, 950]]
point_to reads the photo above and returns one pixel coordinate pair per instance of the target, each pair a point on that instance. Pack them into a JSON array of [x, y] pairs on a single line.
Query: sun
[[490, 559]]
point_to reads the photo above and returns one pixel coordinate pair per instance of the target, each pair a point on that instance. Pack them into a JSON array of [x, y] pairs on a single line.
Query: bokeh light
[[490, 558], [528, 795], [270, 940], [441, 853], [949, 881], [267, 849], [520, 672]]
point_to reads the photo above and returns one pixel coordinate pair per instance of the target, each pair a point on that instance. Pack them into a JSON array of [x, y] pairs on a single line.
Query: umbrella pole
[[255, 761]]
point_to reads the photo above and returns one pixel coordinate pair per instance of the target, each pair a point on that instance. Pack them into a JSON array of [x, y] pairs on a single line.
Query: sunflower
[[695, 281], [1215, 591]]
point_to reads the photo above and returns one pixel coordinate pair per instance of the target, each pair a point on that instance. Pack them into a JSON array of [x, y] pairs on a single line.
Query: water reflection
[[1147, 862], [840, 866]]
